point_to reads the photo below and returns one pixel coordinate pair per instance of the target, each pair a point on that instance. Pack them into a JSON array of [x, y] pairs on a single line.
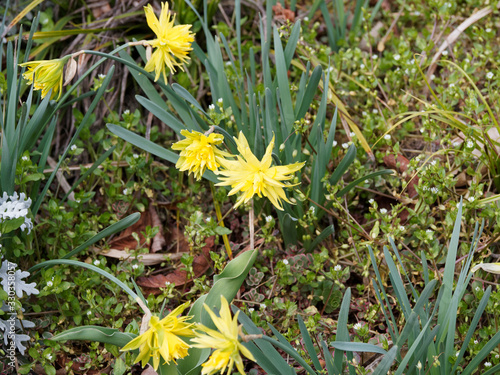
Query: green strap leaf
[[95, 333]]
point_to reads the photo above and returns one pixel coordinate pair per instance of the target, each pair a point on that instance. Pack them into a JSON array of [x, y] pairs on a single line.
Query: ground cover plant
[[249, 187]]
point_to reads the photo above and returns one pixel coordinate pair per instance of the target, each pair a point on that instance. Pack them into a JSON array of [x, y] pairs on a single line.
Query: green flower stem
[[130, 292], [292, 353], [220, 219]]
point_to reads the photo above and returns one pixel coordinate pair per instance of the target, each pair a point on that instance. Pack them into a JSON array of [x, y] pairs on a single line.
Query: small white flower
[[397, 57], [49, 357], [125, 191], [457, 354], [451, 85], [364, 113], [262, 306], [445, 53], [135, 266], [407, 71], [49, 283], [471, 199], [383, 211], [489, 75], [488, 30], [251, 309], [334, 144], [167, 283], [401, 227], [469, 144], [374, 111], [476, 342], [345, 145], [269, 219], [387, 137], [330, 69], [102, 76], [362, 66], [422, 130], [371, 201], [448, 5], [282, 147], [97, 262], [78, 201], [312, 209], [374, 57], [337, 268], [433, 77], [357, 326], [228, 63], [352, 134], [73, 147], [458, 205], [208, 220], [487, 364], [429, 231], [220, 100], [135, 156], [211, 107], [456, 144], [89, 313], [126, 112], [25, 158], [419, 365], [477, 289], [285, 262], [497, 356]]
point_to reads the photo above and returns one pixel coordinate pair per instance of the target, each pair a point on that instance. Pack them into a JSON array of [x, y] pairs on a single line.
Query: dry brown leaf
[[283, 14], [201, 264], [403, 162], [70, 71], [146, 259], [158, 240]]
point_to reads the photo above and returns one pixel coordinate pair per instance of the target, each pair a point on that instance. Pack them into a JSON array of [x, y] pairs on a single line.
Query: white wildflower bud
[[282, 147], [294, 153]]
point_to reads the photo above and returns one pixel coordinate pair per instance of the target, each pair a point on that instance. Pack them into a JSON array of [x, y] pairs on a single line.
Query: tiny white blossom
[[445, 53], [262, 306], [73, 147], [97, 262], [135, 266], [497, 356], [397, 57], [471, 199], [487, 364], [285, 261], [422, 130], [477, 289], [220, 100], [469, 144], [451, 85], [269, 219], [251, 309], [228, 63], [433, 77], [282, 147], [330, 69], [489, 75], [416, 13], [211, 107], [488, 30], [334, 144], [337, 268], [434, 190], [387, 137], [374, 57], [102, 76], [362, 66], [457, 354], [357, 326], [476, 342], [25, 158], [135, 156], [383, 211], [364, 113], [371, 201], [419, 365], [49, 357], [125, 191], [345, 145], [456, 144], [89, 313], [352, 134], [374, 111], [126, 112], [401, 227], [429, 231], [448, 5], [312, 209], [167, 283], [49, 283]]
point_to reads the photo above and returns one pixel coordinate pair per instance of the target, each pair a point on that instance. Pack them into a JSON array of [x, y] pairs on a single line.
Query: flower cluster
[[15, 206], [46, 75], [246, 175], [171, 42], [162, 340]]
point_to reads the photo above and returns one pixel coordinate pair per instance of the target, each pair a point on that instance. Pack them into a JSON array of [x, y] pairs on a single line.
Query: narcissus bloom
[[46, 75], [162, 339], [225, 342], [488, 267], [172, 42], [199, 152], [250, 176]]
